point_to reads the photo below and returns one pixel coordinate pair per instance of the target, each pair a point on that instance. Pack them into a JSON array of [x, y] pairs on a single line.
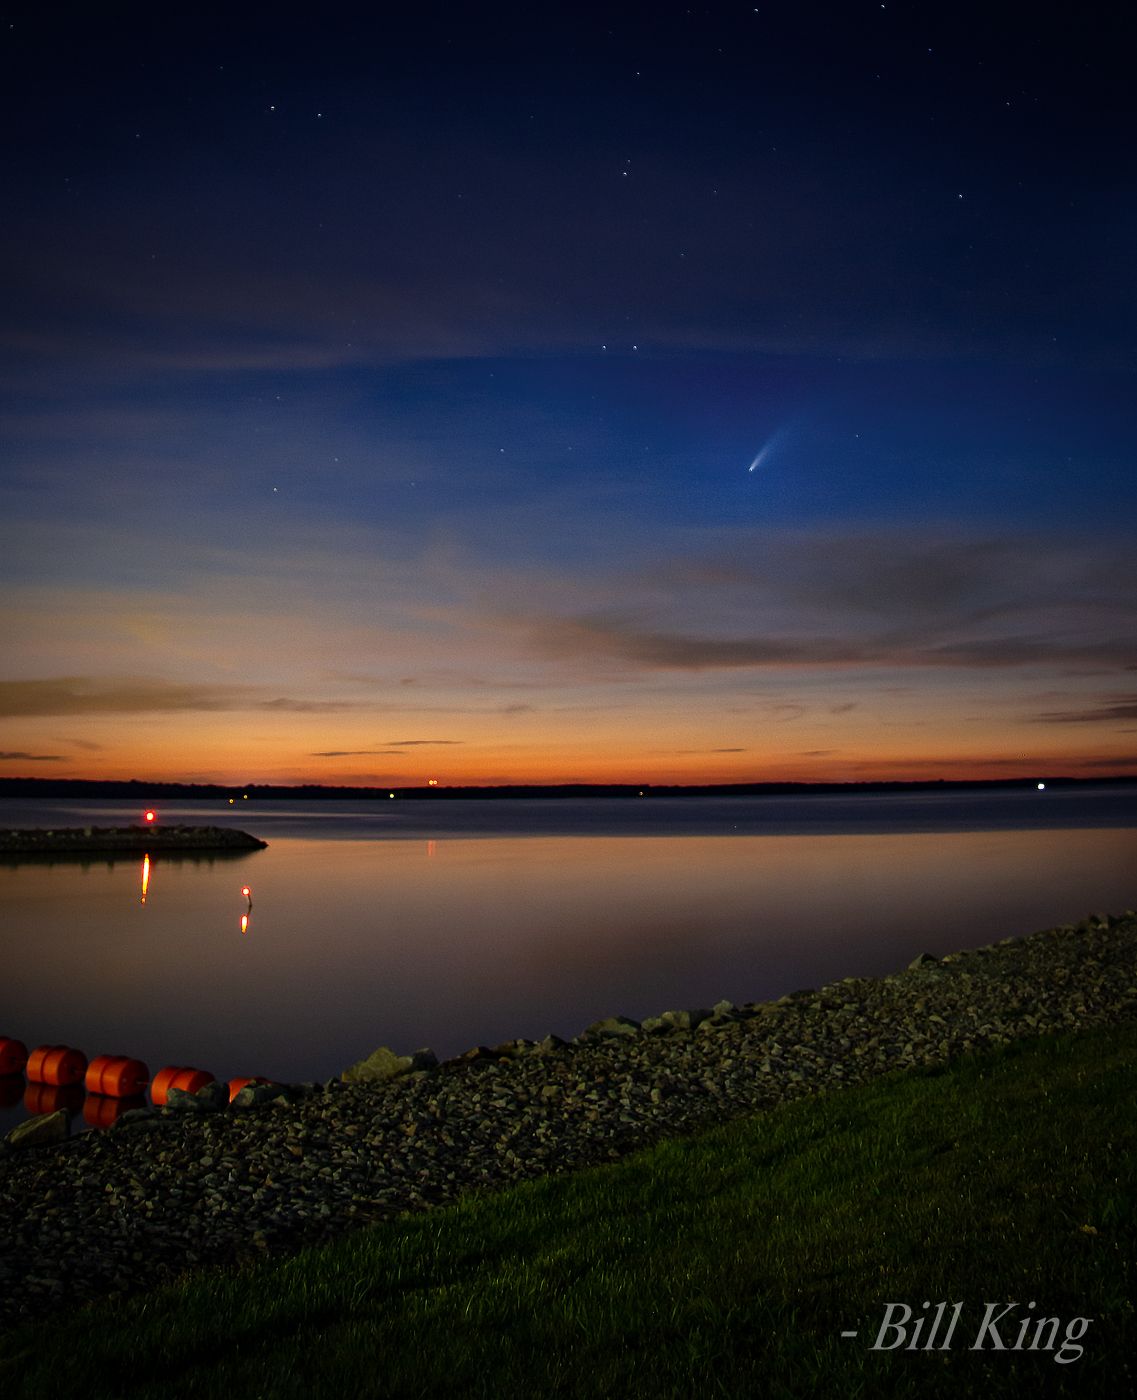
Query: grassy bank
[[725, 1264]]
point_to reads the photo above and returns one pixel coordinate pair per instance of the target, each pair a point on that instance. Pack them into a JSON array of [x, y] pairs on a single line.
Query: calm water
[[461, 923]]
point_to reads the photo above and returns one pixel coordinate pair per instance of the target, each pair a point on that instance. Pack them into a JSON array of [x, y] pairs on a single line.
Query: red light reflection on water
[[145, 876]]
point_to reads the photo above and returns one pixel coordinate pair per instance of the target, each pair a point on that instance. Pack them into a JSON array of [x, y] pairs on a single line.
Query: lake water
[[455, 923]]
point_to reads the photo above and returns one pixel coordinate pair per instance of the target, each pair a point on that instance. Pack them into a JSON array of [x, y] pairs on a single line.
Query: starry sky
[[566, 393]]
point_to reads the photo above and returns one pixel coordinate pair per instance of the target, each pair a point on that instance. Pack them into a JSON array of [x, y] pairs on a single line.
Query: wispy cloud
[[704, 751], [625, 640], [31, 757], [354, 753], [1103, 712], [393, 748], [639, 647], [419, 743], [84, 695], [862, 597]]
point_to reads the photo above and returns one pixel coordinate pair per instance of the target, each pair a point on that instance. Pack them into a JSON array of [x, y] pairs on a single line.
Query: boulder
[[384, 1064], [685, 1020], [254, 1094], [511, 1049], [181, 1101], [134, 1116], [213, 1096], [473, 1056], [612, 1026], [44, 1128]]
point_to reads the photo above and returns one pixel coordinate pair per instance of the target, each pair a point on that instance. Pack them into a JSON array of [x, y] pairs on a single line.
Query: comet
[[768, 447]]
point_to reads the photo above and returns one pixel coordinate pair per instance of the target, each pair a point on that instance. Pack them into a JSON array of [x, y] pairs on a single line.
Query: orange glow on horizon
[[492, 770], [648, 742]]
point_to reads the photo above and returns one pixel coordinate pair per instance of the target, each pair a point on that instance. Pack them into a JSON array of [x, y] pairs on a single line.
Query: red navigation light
[[149, 815], [246, 892]]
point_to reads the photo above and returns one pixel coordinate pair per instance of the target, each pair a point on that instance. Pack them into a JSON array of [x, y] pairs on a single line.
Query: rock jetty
[[201, 1182], [136, 840]]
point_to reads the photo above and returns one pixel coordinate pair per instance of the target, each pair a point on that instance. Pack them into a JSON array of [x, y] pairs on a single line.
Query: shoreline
[[137, 790], [124, 1210]]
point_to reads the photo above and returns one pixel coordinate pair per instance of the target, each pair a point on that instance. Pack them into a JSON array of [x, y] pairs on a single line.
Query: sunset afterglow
[[682, 396]]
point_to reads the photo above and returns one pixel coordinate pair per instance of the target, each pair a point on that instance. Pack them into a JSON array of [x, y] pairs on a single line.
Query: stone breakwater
[[166, 1190], [136, 840]]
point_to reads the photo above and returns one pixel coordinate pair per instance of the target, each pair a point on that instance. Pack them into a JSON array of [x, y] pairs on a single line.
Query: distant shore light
[[1042, 787], [149, 815]]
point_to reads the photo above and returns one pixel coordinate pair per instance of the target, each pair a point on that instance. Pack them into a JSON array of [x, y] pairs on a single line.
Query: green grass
[[725, 1264]]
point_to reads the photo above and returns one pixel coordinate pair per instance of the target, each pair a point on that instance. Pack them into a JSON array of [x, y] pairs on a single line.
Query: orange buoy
[[56, 1064], [236, 1085], [178, 1077], [46, 1098], [100, 1110], [116, 1076], [13, 1055]]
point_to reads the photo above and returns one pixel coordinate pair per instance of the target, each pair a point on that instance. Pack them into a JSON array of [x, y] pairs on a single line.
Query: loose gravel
[[169, 1190]]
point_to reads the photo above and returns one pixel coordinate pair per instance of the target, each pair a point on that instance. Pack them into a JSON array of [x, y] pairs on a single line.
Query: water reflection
[[145, 876], [508, 937], [107, 860], [48, 1098], [100, 1110]]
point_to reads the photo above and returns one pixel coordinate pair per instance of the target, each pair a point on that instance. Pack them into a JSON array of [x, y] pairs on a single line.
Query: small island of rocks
[[140, 840]]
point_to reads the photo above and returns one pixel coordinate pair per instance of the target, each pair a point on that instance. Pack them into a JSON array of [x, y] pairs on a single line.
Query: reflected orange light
[[431, 847], [244, 923], [145, 876]]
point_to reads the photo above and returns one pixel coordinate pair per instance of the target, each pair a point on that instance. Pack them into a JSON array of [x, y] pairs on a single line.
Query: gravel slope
[[122, 1210]]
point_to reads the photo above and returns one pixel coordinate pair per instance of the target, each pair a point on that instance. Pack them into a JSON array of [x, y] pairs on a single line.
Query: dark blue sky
[[375, 364]]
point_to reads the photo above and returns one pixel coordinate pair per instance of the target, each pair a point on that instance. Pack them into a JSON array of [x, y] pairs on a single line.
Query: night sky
[[671, 393]]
